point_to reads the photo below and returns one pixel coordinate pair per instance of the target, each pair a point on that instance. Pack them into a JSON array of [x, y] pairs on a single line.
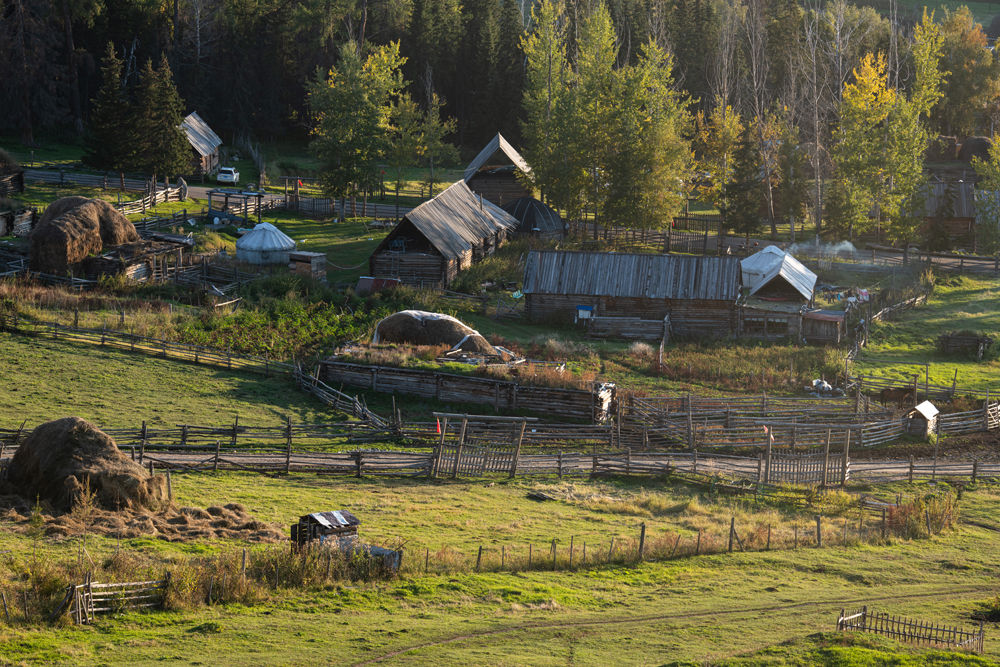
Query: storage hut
[[698, 293], [320, 526], [439, 238], [535, 218], [204, 142], [264, 244], [498, 181], [922, 420], [950, 213]]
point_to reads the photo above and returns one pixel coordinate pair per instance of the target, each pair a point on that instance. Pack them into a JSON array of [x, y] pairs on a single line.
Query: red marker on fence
[[439, 426]]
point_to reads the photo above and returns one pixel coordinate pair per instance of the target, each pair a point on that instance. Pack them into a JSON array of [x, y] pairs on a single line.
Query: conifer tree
[[108, 140], [160, 146]]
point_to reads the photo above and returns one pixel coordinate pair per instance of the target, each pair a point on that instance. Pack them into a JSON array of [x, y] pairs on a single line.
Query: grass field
[[775, 607], [45, 379], [901, 346]]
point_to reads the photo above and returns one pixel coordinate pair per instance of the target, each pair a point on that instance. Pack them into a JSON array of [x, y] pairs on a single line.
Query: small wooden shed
[[699, 293], [950, 212], [439, 238], [498, 181], [321, 526], [204, 142], [922, 420]]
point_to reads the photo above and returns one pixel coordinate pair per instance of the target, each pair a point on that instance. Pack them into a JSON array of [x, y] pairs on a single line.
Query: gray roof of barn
[[632, 275], [200, 135], [497, 143], [457, 219]]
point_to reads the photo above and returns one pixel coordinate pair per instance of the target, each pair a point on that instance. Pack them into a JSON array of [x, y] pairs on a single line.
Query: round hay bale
[[418, 327], [73, 228], [974, 147], [62, 458]]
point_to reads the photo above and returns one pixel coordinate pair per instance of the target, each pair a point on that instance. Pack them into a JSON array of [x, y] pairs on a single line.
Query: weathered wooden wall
[[414, 268], [694, 317]]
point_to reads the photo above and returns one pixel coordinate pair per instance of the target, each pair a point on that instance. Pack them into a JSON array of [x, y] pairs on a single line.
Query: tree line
[[767, 110]]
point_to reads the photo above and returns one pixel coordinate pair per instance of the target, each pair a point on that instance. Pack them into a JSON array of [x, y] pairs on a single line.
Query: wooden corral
[[595, 404], [204, 142], [698, 293], [498, 183], [439, 238]]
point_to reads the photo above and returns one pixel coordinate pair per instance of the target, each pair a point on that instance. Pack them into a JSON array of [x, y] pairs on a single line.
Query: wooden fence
[[150, 200], [11, 184], [928, 633], [59, 174], [86, 600], [594, 405]]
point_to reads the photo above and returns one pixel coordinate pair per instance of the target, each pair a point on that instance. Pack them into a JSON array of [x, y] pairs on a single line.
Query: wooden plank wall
[[687, 317]]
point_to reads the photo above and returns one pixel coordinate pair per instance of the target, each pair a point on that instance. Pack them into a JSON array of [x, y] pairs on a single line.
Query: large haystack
[[73, 228], [61, 458], [418, 327]]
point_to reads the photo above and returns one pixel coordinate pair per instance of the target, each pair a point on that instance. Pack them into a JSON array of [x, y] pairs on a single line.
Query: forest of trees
[[764, 109]]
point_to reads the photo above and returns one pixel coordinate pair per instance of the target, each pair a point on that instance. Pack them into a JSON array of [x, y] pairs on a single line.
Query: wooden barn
[[495, 180], [439, 238], [204, 142], [698, 293], [778, 288]]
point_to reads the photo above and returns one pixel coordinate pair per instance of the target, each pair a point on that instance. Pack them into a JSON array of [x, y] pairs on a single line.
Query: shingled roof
[[200, 135], [497, 143], [632, 275], [457, 219]]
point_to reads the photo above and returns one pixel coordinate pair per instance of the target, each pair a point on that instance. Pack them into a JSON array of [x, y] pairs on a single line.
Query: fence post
[[975, 469], [767, 466], [847, 459], [357, 463], [458, 447], [911, 468], [215, 466], [642, 540], [517, 450], [288, 446], [986, 411], [826, 459], [732, 530], [142, 442]]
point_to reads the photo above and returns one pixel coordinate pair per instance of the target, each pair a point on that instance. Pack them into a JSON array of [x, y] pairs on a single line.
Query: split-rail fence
[[905, 629]]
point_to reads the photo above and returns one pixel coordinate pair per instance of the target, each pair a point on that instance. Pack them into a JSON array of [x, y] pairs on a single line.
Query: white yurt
[[264, 244]]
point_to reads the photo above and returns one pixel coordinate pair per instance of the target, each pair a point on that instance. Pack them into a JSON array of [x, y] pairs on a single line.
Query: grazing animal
[[898, 394]]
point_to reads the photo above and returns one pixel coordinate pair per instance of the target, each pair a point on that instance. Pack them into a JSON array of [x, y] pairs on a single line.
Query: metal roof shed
[[264, 244], [772, 272]]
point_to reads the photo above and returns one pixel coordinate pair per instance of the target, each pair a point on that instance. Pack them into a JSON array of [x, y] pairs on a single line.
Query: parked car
[[228, 175]]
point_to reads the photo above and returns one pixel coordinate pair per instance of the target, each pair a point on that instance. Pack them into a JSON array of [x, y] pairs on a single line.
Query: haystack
[[73, 228], [419, 327], [61, 458], [975, 147]]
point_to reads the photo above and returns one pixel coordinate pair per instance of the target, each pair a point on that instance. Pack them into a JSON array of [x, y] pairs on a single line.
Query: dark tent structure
[[535, 218]]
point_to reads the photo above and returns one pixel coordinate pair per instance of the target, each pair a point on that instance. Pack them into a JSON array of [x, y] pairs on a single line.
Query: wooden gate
[[808, 469], [484, 444]]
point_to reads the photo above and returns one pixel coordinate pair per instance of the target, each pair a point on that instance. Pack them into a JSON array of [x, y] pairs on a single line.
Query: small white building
[[264, 244], [922, 420]]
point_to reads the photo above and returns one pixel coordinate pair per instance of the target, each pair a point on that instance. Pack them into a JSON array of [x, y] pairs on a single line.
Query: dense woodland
[[767, 110]]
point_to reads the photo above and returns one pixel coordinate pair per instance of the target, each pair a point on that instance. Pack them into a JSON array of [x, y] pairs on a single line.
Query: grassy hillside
[[47, 379], [775, 607]]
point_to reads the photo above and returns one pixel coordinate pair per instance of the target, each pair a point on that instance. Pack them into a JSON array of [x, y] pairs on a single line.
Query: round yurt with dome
[[264, 244]]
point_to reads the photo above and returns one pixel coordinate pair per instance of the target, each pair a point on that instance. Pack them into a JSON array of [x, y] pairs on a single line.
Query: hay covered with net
[[419, 327], [69, 463], [74, 228]]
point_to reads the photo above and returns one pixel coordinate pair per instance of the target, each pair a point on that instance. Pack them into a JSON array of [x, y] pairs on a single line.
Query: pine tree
[[745, 197], [160, 144], [108, 140]]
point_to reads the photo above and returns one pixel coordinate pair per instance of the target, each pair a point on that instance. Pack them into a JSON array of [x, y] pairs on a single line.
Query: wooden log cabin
[[204, 142], [698, 293], [439, 238], [498, 181]]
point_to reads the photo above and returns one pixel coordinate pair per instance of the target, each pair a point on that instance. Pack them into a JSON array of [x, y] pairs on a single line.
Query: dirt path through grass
[[944, 592]]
